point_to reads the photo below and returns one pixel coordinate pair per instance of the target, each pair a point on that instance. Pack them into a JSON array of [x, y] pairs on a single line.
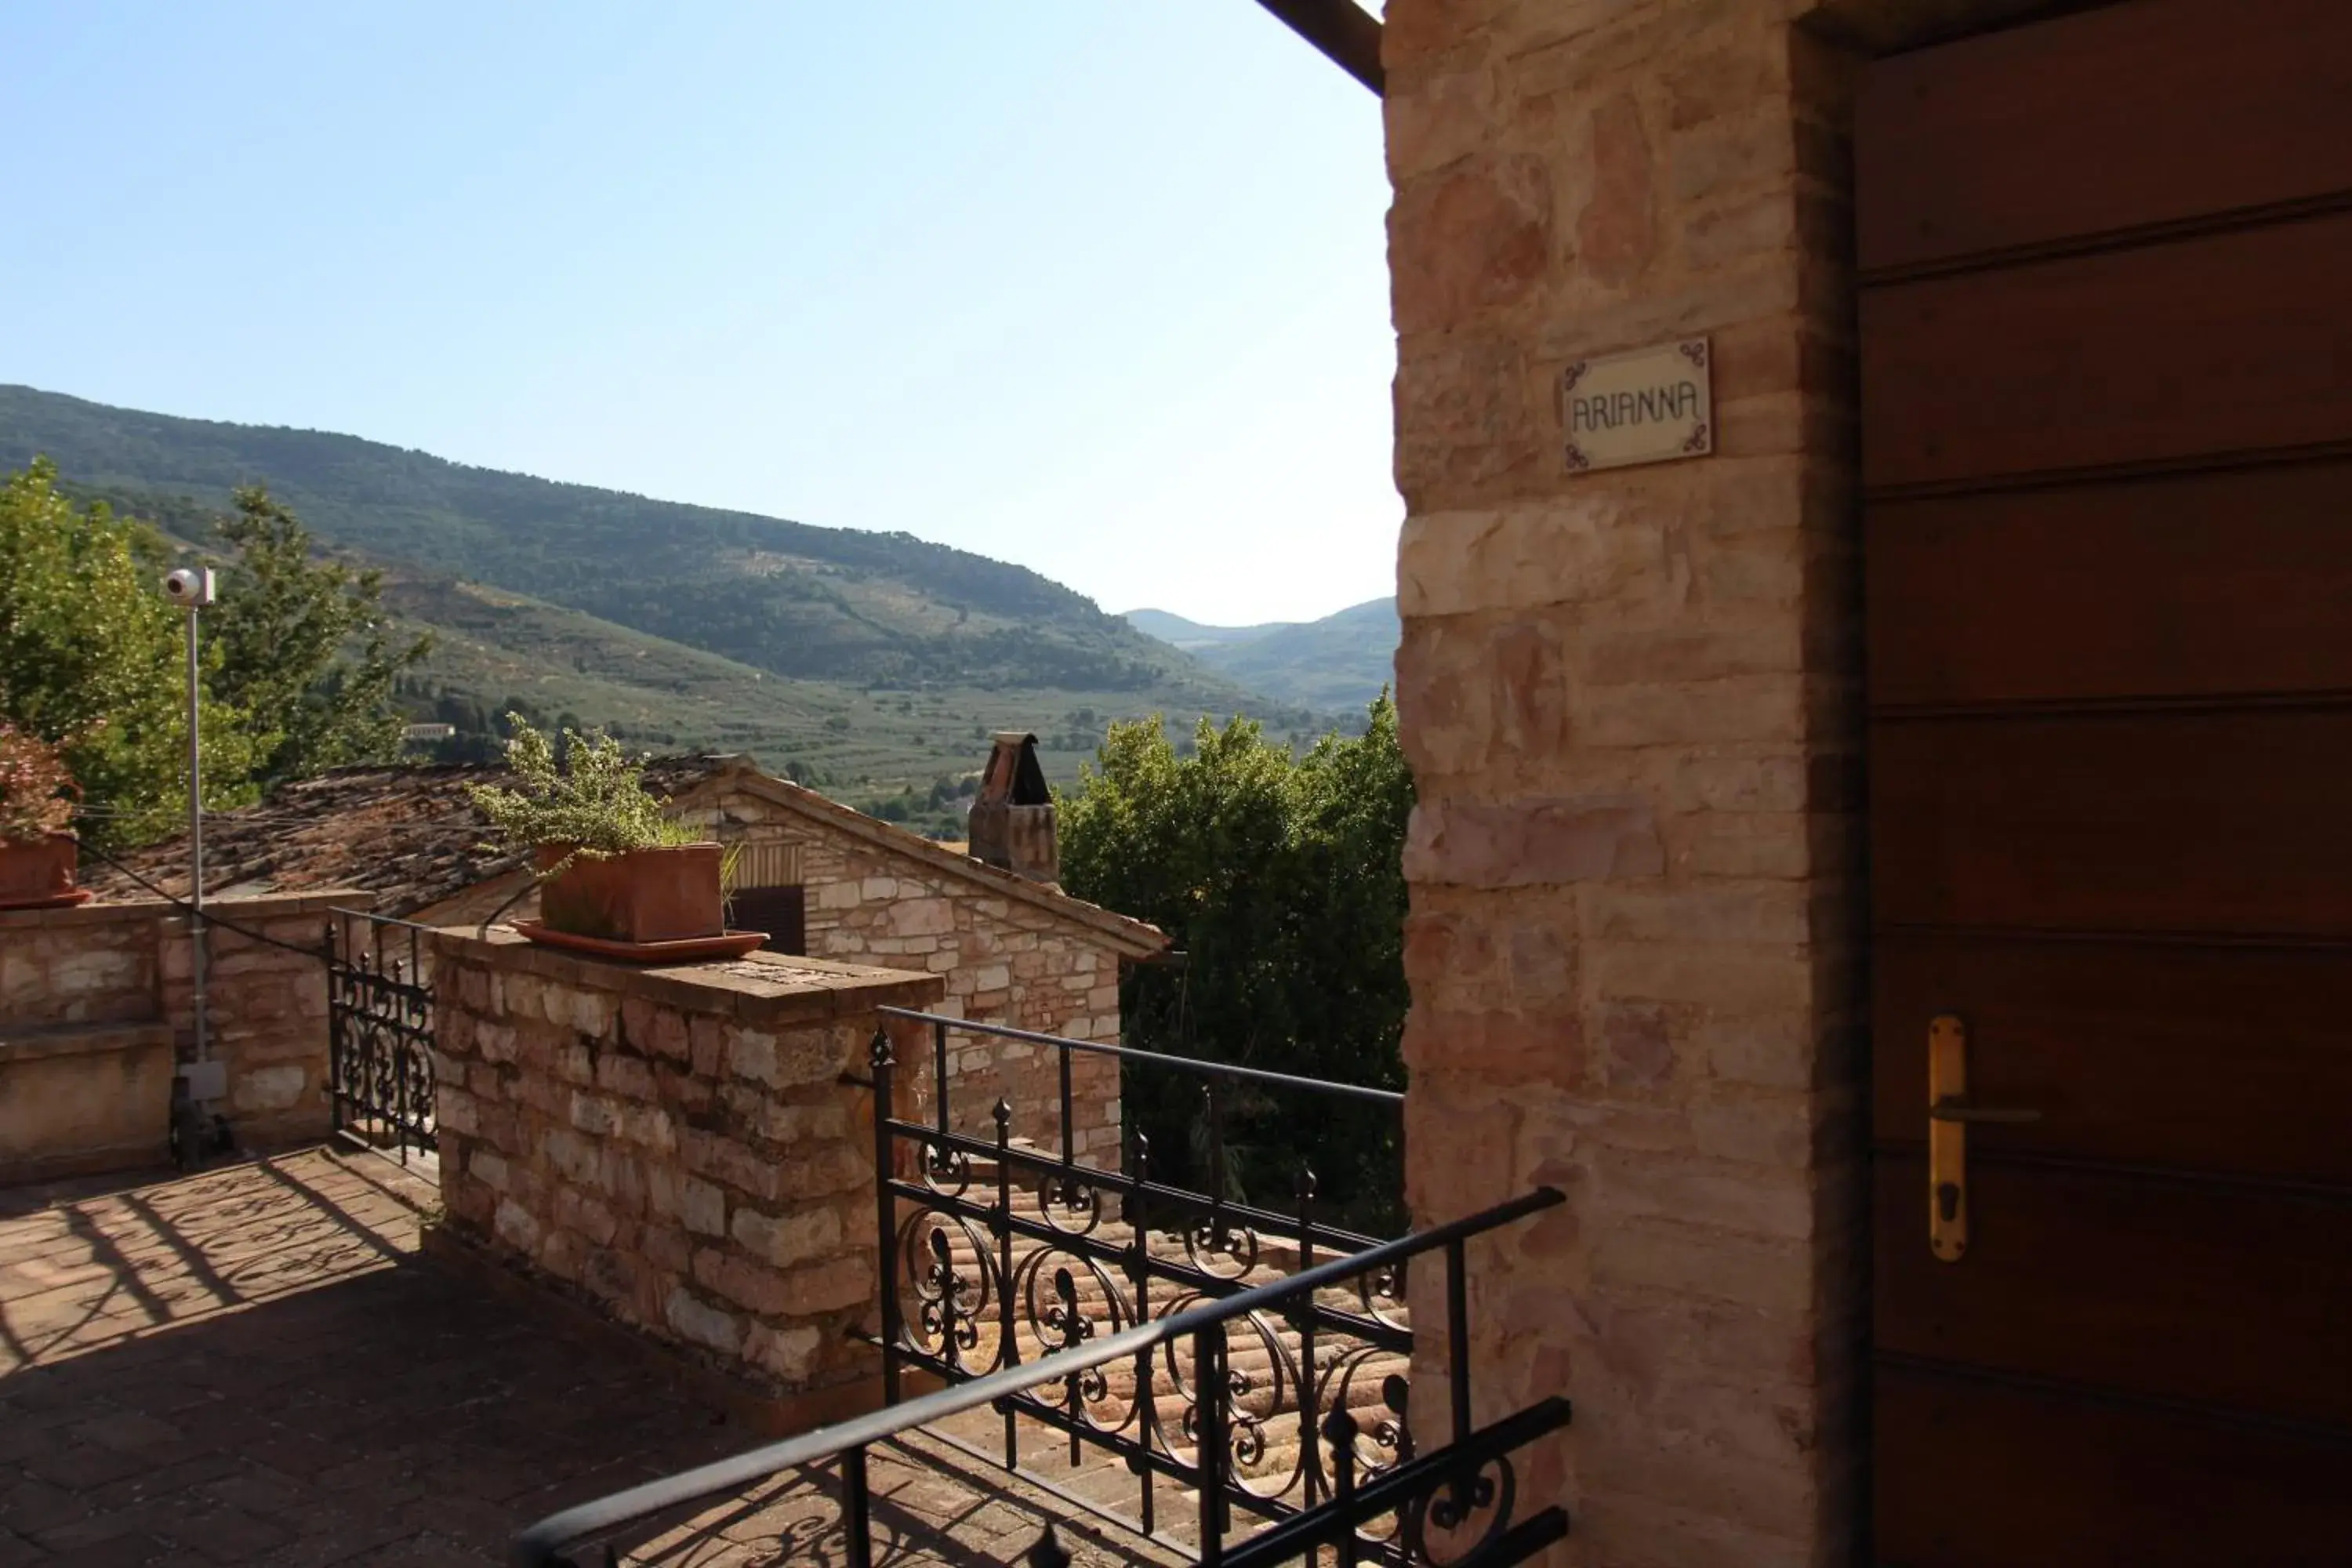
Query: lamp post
[[191, 588]]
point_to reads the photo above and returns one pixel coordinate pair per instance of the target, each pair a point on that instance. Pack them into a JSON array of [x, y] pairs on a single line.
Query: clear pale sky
[[1097, 286]]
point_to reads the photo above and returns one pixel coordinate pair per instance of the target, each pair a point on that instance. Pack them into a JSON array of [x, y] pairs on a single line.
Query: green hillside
[[1339, 662], [866, 745], [1192, 635], [870, 666], [822, 604]]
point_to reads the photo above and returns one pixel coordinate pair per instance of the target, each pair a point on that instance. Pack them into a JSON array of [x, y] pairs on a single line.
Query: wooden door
[[2106, 334]]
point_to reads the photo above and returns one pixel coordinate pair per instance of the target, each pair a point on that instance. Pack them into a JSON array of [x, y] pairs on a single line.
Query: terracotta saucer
[[688, 950]]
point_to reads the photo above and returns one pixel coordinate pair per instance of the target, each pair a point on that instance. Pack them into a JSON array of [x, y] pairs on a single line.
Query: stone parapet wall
[[101, 998], [100, 963], [677, 1147], [1000, 959]]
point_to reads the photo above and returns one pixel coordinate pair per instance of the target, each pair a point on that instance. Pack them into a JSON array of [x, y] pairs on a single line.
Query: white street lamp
[[191, 588]]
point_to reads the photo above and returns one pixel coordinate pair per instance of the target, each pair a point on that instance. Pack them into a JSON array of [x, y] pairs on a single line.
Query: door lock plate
[[1948, 1139]]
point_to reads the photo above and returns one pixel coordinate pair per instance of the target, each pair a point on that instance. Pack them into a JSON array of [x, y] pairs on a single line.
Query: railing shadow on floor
[[1457, 1503], [252, 1363]]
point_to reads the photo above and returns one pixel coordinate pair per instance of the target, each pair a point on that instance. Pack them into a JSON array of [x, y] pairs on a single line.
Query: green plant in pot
[[38, 856], [612, 867]]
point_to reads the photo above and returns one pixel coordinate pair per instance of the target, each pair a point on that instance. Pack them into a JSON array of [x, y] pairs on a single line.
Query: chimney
[[1011, 823]]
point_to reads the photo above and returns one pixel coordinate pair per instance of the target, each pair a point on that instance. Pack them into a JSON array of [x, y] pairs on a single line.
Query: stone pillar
[[1630, 698], [681, 1150], [266, 1008]]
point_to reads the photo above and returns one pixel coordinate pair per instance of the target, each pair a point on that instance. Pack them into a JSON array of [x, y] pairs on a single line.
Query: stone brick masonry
[[677, 1147], [96, 1002], [1630, 699], [1007, 954], [1632, 703]]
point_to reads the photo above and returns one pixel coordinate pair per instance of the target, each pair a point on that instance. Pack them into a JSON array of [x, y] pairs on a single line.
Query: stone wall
[[268, 1011], [83, 990], [676, 1147], [1002, 959], [1631, 700], [100, 963]]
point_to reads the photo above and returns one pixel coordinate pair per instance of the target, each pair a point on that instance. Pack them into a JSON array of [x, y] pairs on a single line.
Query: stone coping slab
[[38, 1041], [767, 990], [238, 906]]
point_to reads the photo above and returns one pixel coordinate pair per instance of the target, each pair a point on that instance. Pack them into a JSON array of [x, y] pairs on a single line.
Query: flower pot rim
[[727, 944]]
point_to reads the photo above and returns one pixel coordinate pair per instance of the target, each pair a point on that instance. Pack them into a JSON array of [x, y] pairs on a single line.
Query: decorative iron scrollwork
[[1457, 1521], [380, 1036], [1012, 1259], [954, 1289], [1074, 1278], [947, 1172], [1068, 1201]]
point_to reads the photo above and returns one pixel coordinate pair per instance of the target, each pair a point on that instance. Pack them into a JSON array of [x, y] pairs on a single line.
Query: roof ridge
[[1142, 935]]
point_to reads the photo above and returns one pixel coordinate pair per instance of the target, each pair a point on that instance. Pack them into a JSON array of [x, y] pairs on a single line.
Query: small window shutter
[[782, 912], [767, 863]]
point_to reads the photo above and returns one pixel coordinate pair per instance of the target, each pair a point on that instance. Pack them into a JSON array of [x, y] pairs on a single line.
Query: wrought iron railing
[[379, 1032], [1457, 1503], [999, 1251]]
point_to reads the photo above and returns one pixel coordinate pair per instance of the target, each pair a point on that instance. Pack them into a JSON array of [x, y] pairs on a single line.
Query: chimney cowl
[[1011, 823]]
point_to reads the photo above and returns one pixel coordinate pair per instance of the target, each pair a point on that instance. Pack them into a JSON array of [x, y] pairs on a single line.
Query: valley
[[871, 666]]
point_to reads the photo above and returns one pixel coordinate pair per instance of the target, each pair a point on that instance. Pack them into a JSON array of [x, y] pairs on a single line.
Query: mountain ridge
[[1341, 661], [791, 597], [1176, 631], [871, 664]]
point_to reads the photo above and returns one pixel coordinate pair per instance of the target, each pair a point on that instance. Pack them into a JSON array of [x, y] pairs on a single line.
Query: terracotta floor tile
[[253, 1365]]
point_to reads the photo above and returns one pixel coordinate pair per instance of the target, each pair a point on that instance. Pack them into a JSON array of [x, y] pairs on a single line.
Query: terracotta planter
[[646, 896], [40, 874]]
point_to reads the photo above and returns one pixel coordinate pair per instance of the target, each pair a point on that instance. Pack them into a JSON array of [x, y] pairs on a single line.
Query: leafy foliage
[[296, 673], [592, 798], [304, 642], [36, 789], [1282, 879], [92, 659]]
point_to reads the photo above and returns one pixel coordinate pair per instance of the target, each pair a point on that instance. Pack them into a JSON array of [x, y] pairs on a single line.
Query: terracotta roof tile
[[411, 835]]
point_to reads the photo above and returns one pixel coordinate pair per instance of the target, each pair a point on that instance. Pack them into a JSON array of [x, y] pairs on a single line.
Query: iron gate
[[379, 1032]]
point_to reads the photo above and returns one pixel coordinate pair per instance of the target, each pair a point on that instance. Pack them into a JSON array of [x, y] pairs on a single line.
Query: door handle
[[1950, 1113], [1953, 1108]]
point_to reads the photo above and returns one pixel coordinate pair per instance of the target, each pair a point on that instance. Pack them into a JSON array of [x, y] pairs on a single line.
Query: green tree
[[1282, 879], [304, 643], [299, 666], [92, 657]]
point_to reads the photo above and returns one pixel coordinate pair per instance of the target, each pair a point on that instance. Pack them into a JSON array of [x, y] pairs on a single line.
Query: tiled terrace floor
[[253, 1365]]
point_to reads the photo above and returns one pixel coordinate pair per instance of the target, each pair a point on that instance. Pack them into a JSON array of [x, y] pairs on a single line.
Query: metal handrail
[[537, 1547], [1157, 1059]]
